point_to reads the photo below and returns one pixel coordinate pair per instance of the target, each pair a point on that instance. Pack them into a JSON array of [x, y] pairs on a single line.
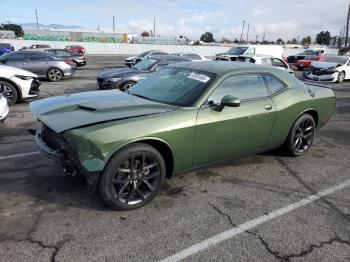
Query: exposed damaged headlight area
[[320, 71]]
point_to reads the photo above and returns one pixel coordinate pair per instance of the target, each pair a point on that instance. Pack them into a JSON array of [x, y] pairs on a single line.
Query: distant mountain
[[50, 26]]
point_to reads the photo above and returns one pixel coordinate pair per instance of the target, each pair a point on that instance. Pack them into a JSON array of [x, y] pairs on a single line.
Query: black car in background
[[124, 78], [130, 61], [79, 60]]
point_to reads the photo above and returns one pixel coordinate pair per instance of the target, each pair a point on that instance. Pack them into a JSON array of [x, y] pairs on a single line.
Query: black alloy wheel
[[9, 91], [133, 177], [127, 85], [301, 136]]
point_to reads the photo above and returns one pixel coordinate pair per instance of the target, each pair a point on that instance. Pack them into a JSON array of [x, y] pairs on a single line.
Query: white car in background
[[331, 69], [17, 84], [4, 108], [192, 56], [264, 60]]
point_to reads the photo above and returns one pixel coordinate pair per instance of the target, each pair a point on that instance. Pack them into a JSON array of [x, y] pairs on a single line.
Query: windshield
[[336, 59], [145, 64], [174, 86], [308, 52], [237, 50]]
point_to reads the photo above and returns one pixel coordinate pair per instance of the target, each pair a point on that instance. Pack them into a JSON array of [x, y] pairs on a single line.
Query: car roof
[[223, 67]]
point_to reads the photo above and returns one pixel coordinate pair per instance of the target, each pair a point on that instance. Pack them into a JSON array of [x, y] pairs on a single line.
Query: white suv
[[17, 84]]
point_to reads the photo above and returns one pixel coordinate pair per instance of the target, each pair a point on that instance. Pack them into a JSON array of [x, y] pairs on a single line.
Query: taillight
[[69, 61]]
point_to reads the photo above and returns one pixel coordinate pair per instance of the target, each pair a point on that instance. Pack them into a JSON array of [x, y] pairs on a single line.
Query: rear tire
[[9, 91], [54, 74], [133, 177], [301, 136]]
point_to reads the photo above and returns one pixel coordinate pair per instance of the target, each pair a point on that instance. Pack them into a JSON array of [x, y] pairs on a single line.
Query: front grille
[[100, 80], [318, 71], [51, 138], [34, 87]]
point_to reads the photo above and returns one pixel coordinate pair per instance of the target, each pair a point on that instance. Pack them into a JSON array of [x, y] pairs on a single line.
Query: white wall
[[130, 49]]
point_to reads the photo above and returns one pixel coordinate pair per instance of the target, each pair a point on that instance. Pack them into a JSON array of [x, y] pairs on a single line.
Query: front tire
[[127, 85], [133, 177], [301, 136], [341, 77], [9, 91], [54, 74]]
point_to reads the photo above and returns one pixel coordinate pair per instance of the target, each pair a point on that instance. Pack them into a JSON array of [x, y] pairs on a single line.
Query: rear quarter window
[[273, 84]]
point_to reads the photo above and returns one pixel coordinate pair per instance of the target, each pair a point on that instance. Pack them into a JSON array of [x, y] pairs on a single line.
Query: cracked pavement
[[46, 215]]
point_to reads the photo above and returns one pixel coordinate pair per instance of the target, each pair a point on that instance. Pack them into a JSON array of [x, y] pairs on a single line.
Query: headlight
[[114, 79], [331, 70], [23, 77]]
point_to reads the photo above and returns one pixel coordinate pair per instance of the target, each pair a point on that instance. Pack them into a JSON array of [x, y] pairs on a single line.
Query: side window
[[279, 63], [16, 57], [273, 84], [244, 87], [266, 61], [62, 53], [250, 51], [158, 53], [194, 56], [37, 57]]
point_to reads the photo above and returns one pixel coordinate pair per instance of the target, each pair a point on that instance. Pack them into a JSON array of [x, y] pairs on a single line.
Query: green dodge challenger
[[184, 116]]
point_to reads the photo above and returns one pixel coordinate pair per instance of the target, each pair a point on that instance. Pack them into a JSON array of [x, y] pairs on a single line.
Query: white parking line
[[216, 239], [18, 113], [19, 155]]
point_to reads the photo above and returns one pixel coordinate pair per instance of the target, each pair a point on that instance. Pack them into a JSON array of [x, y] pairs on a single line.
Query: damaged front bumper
[[64, 156]]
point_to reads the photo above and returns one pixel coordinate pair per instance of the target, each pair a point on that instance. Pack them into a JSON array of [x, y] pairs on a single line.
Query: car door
[[38, 63], [16, 60], [238, 130]]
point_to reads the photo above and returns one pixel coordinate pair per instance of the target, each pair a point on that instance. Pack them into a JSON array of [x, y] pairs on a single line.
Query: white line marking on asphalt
[[216, 239], [19, 155]]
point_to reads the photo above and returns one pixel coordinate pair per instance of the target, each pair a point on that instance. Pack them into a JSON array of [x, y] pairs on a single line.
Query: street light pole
[[240, 40], [37, 21], [347, 28]]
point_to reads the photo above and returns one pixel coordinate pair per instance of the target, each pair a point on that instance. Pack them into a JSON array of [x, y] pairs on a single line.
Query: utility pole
[[154, 26], [240, 40], [263, 38], [247, 32], [37, 21], [113, 24], [347, 28]]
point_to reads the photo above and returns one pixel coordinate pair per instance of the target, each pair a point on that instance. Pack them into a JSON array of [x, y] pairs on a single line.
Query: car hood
[[325, 65], [62, 113], [116, 72], [132, 58], [11, 71]]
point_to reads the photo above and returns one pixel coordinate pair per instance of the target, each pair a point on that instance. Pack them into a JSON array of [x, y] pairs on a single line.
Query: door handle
[[268, 107]]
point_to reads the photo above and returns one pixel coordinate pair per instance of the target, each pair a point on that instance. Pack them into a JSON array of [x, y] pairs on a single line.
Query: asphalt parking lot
[[46, 215]]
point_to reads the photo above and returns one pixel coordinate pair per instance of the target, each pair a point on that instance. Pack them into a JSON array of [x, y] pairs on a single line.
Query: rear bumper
[[69, 71], [67, 159]]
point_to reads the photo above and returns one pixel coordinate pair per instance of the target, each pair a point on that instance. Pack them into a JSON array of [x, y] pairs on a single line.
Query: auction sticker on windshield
[[199, 77]]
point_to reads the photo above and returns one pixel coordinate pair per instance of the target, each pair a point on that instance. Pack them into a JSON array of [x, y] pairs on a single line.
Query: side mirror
[[229, 101]]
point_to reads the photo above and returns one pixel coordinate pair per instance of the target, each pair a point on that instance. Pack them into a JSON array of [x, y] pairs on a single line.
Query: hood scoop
[[87, 108]]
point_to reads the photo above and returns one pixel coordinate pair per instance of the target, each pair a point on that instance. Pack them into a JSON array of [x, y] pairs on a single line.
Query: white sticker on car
[[199, 77]]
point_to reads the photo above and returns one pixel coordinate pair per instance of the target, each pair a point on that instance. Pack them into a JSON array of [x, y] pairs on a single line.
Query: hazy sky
[[275, 18]]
